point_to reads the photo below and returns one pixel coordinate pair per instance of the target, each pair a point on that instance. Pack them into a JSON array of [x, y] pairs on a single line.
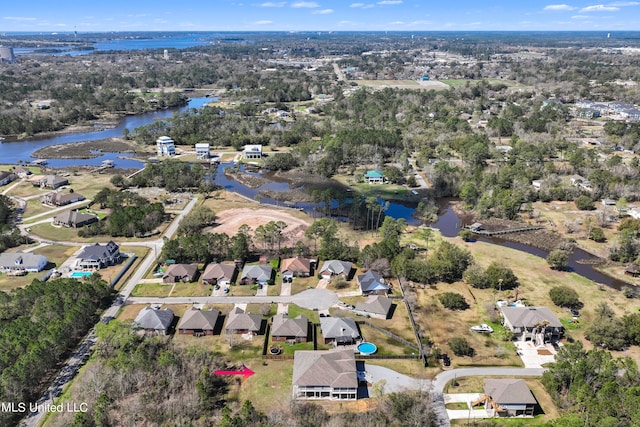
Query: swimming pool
[[367, 348], [81, 274]]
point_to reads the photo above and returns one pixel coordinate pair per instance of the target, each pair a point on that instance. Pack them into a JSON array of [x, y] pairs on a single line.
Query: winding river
[[448, 222]]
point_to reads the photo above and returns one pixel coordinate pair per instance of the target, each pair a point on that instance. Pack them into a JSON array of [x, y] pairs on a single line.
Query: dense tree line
[[592, 388], [172, 175], [9, 233], [40, 325], [131, 215]]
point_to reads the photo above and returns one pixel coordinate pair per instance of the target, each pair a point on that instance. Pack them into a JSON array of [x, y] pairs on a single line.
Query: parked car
[[575, 313]]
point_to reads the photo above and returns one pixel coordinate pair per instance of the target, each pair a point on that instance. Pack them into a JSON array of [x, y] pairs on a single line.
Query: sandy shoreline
[[85, 149]]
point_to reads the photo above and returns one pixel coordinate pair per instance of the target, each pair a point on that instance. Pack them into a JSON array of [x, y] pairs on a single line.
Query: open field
[[230, 220], [385, 191], [191, 290], [151, 290]]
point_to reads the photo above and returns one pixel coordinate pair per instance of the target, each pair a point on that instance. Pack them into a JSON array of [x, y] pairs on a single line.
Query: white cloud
[[307, 4], [274, 4], [559, 7], [19, 18], [263, 22], [390, 2], [624, 3], [323, 12], [397, 23], [356, 5], [599, 8], [580, 17]]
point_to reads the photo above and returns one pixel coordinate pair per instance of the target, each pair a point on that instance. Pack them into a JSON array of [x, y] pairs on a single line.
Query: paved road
[[310, 299], [68, 372]]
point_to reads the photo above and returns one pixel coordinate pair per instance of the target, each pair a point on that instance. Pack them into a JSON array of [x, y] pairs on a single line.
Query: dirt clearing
[[231, 220]]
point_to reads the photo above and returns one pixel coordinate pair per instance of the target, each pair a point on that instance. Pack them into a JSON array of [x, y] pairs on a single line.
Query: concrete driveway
[[469, 413], [395, 381], [528, 352]]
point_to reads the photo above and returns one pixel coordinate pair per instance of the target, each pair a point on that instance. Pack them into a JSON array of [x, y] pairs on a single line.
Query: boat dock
[[480, 231]]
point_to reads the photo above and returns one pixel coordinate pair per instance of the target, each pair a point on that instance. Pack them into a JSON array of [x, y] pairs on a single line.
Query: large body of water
[[12, 151]]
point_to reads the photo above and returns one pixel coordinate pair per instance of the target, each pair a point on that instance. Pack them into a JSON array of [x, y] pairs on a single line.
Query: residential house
[[12, 262], [293, 330], [374, 177], [632, 270], [98, 256], [298, 267], [59, 199], [252, 151], [371, 283], [537, 324], [6, 177], [74, 219], [335, 267], [538, 183], [203, 151], [239, 322], [51, 181], [154, 321], [180, 273], [375, 306], [507, 398], [252, 274], [339, 330], [198, 322], [220, 274], [325, 374], [165, 146], [22, 172], [580, 182]]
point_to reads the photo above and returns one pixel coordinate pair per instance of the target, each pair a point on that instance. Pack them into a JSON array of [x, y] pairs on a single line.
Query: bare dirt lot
[[230, 221]]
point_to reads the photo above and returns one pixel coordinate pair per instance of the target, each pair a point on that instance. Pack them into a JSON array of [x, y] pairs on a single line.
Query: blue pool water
[[367, 348], [80, 274]]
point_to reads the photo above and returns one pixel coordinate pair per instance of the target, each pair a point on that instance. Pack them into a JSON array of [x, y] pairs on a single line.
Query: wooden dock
[[508, 230]]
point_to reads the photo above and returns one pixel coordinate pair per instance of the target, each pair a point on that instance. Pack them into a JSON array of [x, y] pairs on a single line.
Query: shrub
[[564, 296], [597, 235], [453, 301], [558, 259], [460, 347], [584, 203]]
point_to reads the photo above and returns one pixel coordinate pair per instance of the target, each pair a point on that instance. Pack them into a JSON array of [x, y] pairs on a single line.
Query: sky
[[320, 15]]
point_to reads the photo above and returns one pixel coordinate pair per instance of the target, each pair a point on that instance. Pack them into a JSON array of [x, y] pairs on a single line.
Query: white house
[[253, 151], [22, 262], [202, 151], [166, 146]]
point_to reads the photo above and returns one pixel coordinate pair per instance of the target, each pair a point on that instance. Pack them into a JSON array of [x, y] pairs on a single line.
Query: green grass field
[[151, 290]]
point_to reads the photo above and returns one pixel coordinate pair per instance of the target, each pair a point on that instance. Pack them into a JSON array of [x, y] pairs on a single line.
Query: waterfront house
[[325, 374], [165, 146], [374, 177], [52, 182], [202, 151], [253, 151]]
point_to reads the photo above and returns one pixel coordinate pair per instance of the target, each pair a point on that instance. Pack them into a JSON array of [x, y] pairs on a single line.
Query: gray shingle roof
[[256, 272], [375, 304], [529, 317], [219, 272], [371, 282], [199, 319], [26, 260], [325, 368], [151, 318], [284, 326], [98, 251], [181, 270], [335, 266], [238, 320], [335, 327], [508, 391]]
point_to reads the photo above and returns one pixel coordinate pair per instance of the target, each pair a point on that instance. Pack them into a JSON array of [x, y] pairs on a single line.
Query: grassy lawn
[[243, 290], [456, 405], [35, 207], [386, 345], [276, 288], [191, 290], [151, 290], [48, 231], [26, 189], [295, 311], [140, 252], [300, 284], [262, 309], [270, 388]]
